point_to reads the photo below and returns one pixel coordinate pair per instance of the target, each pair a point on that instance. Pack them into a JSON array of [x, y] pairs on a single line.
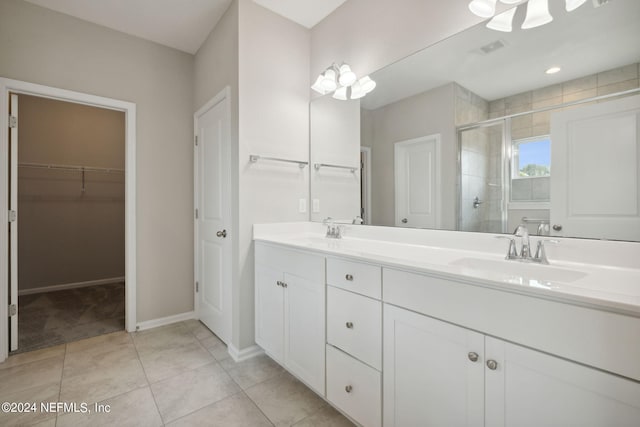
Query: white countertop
[[478, 259]]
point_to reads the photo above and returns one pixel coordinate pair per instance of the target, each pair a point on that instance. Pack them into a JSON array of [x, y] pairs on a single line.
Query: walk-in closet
[[70, 221]]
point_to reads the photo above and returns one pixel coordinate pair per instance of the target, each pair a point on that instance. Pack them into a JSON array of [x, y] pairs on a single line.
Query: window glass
[[532, 157]]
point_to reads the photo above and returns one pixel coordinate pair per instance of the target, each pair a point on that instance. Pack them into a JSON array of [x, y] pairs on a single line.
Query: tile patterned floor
[[175, 375], [60, 317]]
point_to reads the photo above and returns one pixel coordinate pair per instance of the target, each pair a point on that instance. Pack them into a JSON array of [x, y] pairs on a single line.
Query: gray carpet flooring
[[59, 317]]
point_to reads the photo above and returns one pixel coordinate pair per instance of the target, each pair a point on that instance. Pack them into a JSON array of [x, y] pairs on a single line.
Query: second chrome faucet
[[522, 232]]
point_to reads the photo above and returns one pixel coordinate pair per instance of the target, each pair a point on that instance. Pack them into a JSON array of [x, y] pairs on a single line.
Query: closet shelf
[[69, 167]]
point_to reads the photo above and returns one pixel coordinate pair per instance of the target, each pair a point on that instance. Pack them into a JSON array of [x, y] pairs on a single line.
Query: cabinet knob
[[349, 325], [279, 283], [348, 389], [284, 284], [473, 356], [349, 277], [492, 364]]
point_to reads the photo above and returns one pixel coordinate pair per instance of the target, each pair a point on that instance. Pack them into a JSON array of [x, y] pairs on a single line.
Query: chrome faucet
[[357, 220], [333, 231], [525, 245]]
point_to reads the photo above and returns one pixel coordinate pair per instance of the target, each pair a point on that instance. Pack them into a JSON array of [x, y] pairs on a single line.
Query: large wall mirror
[[476, 133]]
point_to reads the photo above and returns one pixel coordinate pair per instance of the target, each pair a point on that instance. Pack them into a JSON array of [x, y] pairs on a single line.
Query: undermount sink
[[519, 269]]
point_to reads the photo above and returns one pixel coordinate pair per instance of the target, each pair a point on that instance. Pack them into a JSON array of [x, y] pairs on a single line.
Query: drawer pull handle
[[473, 356], [492, 364], [349, 277], [348, 389], [349, 325]]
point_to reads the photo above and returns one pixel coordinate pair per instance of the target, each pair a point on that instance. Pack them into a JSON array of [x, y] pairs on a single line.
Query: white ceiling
[[305, 12], [180, 24], [585, 41]]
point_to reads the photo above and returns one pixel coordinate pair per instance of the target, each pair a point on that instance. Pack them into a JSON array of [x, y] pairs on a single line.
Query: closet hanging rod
[[253, 158], [317, 166], [69, 167]]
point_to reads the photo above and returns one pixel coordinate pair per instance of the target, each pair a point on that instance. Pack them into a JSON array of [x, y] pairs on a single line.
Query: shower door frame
[[506, 153]]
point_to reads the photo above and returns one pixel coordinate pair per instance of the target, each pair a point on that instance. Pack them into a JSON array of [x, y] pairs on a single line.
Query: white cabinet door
[[529, 388], [304, 331], [270, 311], [429, 376]]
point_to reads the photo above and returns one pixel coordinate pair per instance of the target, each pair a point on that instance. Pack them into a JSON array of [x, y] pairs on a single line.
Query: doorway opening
[[68, 193]]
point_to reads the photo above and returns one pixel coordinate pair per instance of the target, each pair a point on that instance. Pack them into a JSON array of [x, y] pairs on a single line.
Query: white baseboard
[[154, 323], [63, 286], [245, 353]]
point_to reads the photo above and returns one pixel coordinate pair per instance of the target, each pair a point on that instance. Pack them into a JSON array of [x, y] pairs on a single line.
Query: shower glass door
[[483, 168]]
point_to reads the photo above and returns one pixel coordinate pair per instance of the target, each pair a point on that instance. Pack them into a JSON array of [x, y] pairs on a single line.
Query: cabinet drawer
[[354, 388], [354, 324], [309, 266], [353, 276]]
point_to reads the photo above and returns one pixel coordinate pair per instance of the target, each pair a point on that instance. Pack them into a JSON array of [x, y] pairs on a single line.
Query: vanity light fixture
[[343, 82], [537, 13]]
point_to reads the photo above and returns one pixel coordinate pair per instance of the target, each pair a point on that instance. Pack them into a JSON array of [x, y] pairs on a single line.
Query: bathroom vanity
[[401, 327]]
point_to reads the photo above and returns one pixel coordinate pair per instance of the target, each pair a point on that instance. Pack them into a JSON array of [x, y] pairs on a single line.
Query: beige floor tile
[[36, 395], [49, 422], [216, 347], [252, 371], [30, 375], [100, 343], [170, 336], [191, 324], [325, 417], [201, 332], [112, 377], [285, 400], [234, 411], [135, 408], [165, 363], [33, 356], [192, 390], [99, 357]]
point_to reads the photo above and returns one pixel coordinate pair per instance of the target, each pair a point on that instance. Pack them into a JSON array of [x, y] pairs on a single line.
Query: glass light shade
[[317, 86], [502, 22], [356, 91], [537, 14], [572, 5], [367, 84], [483, 8], [328, 82], [341, 93], [347, 77]]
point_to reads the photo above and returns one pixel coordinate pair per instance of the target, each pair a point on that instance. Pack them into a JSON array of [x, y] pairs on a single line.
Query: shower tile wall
[[480, 165]]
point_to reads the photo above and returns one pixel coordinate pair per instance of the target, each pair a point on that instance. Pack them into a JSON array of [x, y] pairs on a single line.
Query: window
[[531, 157], [531, 169]]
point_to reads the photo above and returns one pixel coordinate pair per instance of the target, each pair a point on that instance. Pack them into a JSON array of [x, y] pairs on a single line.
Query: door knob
[[405, 220], [222, 233], [557, 227]]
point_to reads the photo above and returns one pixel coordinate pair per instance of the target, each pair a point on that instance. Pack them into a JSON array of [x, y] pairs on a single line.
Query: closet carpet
[[60, 317]]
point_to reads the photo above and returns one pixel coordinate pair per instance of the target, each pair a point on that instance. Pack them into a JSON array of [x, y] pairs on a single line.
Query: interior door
[[13, 223], [213, 217], [417, 182], [595, 175]]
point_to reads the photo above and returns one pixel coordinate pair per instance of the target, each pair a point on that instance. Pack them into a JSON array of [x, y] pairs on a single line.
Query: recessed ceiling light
[[552, 70]]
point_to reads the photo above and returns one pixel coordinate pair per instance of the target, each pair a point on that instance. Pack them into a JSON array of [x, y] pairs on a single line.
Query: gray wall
[[424, 114], [41, 46], [66, 235]]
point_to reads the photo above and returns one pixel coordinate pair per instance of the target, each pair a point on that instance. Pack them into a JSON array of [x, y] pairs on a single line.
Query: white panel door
[[304, 330], [433, 372], [417, 182], [595, 176], [13, 225], [212, 200], [529, 388]]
